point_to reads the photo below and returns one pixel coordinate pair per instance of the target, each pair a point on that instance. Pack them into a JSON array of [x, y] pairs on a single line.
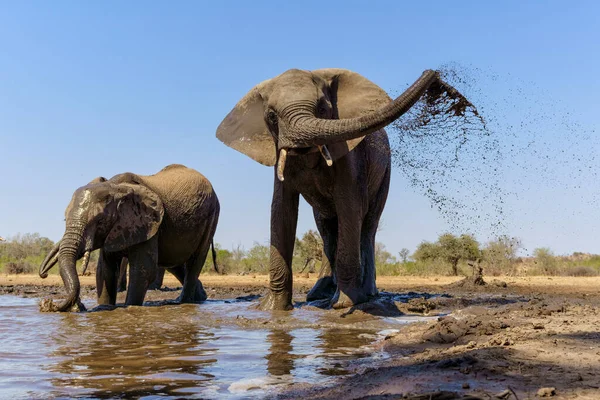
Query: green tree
[[501, 254], [385, 262], [404, 253], [546, 260], [309, 249], [257, 258], [450, 249]]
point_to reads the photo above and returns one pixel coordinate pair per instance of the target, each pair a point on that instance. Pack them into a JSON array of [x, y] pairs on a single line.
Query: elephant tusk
[[281, 163], [325, 153], [85, 262]]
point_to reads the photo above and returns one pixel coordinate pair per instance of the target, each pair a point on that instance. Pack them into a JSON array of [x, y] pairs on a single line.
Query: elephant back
[[183, 190]]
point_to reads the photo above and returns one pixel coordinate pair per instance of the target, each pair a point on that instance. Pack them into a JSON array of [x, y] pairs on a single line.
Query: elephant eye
[[272, 118]]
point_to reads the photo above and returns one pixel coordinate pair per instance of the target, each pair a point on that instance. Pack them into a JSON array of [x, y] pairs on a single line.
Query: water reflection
[[134, 351], [203, 351], [337, 345], [280, 360]]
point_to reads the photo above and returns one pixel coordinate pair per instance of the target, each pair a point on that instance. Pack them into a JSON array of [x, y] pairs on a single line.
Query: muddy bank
[[529, 342]]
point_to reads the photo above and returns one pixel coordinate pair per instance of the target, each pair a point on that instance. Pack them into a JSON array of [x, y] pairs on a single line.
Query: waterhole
[[219, 349]]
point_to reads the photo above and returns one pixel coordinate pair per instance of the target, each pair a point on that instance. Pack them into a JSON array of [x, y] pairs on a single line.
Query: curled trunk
[[310, 131]]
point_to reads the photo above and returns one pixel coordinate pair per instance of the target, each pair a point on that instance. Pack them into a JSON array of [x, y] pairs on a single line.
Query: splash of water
[[445, 149], [505, 158]]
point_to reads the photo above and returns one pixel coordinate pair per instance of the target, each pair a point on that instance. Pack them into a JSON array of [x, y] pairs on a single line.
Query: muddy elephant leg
[[192, 291], [158, 280], [284, 218], [123, 275], [143, 262], [347, 259], [325, 286], [107, 276], [367, 240]]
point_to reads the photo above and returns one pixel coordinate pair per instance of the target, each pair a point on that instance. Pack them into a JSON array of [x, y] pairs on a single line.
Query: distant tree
[[404, 253], [451, 249], [426, 251], [309, 249], [382, 256], [257, 258], [502, 253], [545, 258]]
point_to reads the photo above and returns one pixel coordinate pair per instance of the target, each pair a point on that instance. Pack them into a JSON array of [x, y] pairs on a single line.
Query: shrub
[[19, 267], [582, 270], [546, 261]]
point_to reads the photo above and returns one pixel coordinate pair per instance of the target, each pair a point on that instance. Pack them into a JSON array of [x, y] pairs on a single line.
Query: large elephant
[[167, 219], [323, 132]]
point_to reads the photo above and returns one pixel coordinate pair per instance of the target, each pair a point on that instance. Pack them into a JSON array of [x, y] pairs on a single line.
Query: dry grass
[[555, 284]]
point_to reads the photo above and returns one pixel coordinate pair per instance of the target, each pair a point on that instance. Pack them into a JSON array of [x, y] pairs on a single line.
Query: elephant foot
[[324, 288], [198, 297], [121, 289], [154, 286], [349, 298], [276, 301]]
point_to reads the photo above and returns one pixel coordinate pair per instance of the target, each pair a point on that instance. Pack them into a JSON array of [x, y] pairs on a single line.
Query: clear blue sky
[[99, 88]]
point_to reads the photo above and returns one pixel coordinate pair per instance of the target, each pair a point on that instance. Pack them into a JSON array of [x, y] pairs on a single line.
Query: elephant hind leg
[[158, 280], [368, 232], [123, 275], [193, 291], [325, 286]]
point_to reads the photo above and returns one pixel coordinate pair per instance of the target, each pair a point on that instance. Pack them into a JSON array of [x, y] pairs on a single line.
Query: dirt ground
[[514, 338]]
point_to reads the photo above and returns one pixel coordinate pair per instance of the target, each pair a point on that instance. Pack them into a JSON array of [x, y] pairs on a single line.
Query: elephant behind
[[167, 219]]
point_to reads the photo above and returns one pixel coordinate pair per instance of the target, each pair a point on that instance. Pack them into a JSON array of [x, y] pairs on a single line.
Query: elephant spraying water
[[322, 131]]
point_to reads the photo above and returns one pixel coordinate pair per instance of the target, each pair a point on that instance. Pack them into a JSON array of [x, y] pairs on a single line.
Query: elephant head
[[327, 110], [102, 214]]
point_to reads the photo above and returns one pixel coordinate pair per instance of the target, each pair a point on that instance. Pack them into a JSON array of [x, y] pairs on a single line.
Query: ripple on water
[[216, 349]]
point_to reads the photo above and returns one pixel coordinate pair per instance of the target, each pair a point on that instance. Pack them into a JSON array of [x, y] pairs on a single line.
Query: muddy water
[[220, 349]]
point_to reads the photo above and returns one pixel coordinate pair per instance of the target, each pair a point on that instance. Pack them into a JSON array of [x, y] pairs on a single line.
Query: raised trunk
[[307, 130], [67, 259]]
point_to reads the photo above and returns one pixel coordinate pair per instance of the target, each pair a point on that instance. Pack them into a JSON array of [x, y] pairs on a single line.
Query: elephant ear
[[139, 214], [244, 129], [353, 95]]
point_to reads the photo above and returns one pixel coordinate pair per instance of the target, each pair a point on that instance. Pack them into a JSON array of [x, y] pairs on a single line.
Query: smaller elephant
[[163, 220]]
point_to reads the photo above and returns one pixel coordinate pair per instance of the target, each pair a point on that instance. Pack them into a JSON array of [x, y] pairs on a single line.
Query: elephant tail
[[214, 256]]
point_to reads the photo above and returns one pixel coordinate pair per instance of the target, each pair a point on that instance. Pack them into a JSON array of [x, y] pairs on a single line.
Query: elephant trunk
[[67, 259], [49, 261], [308, 130]]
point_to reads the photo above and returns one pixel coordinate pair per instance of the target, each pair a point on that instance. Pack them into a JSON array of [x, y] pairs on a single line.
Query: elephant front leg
[[107, 276], [284, 217], [143, 262]]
